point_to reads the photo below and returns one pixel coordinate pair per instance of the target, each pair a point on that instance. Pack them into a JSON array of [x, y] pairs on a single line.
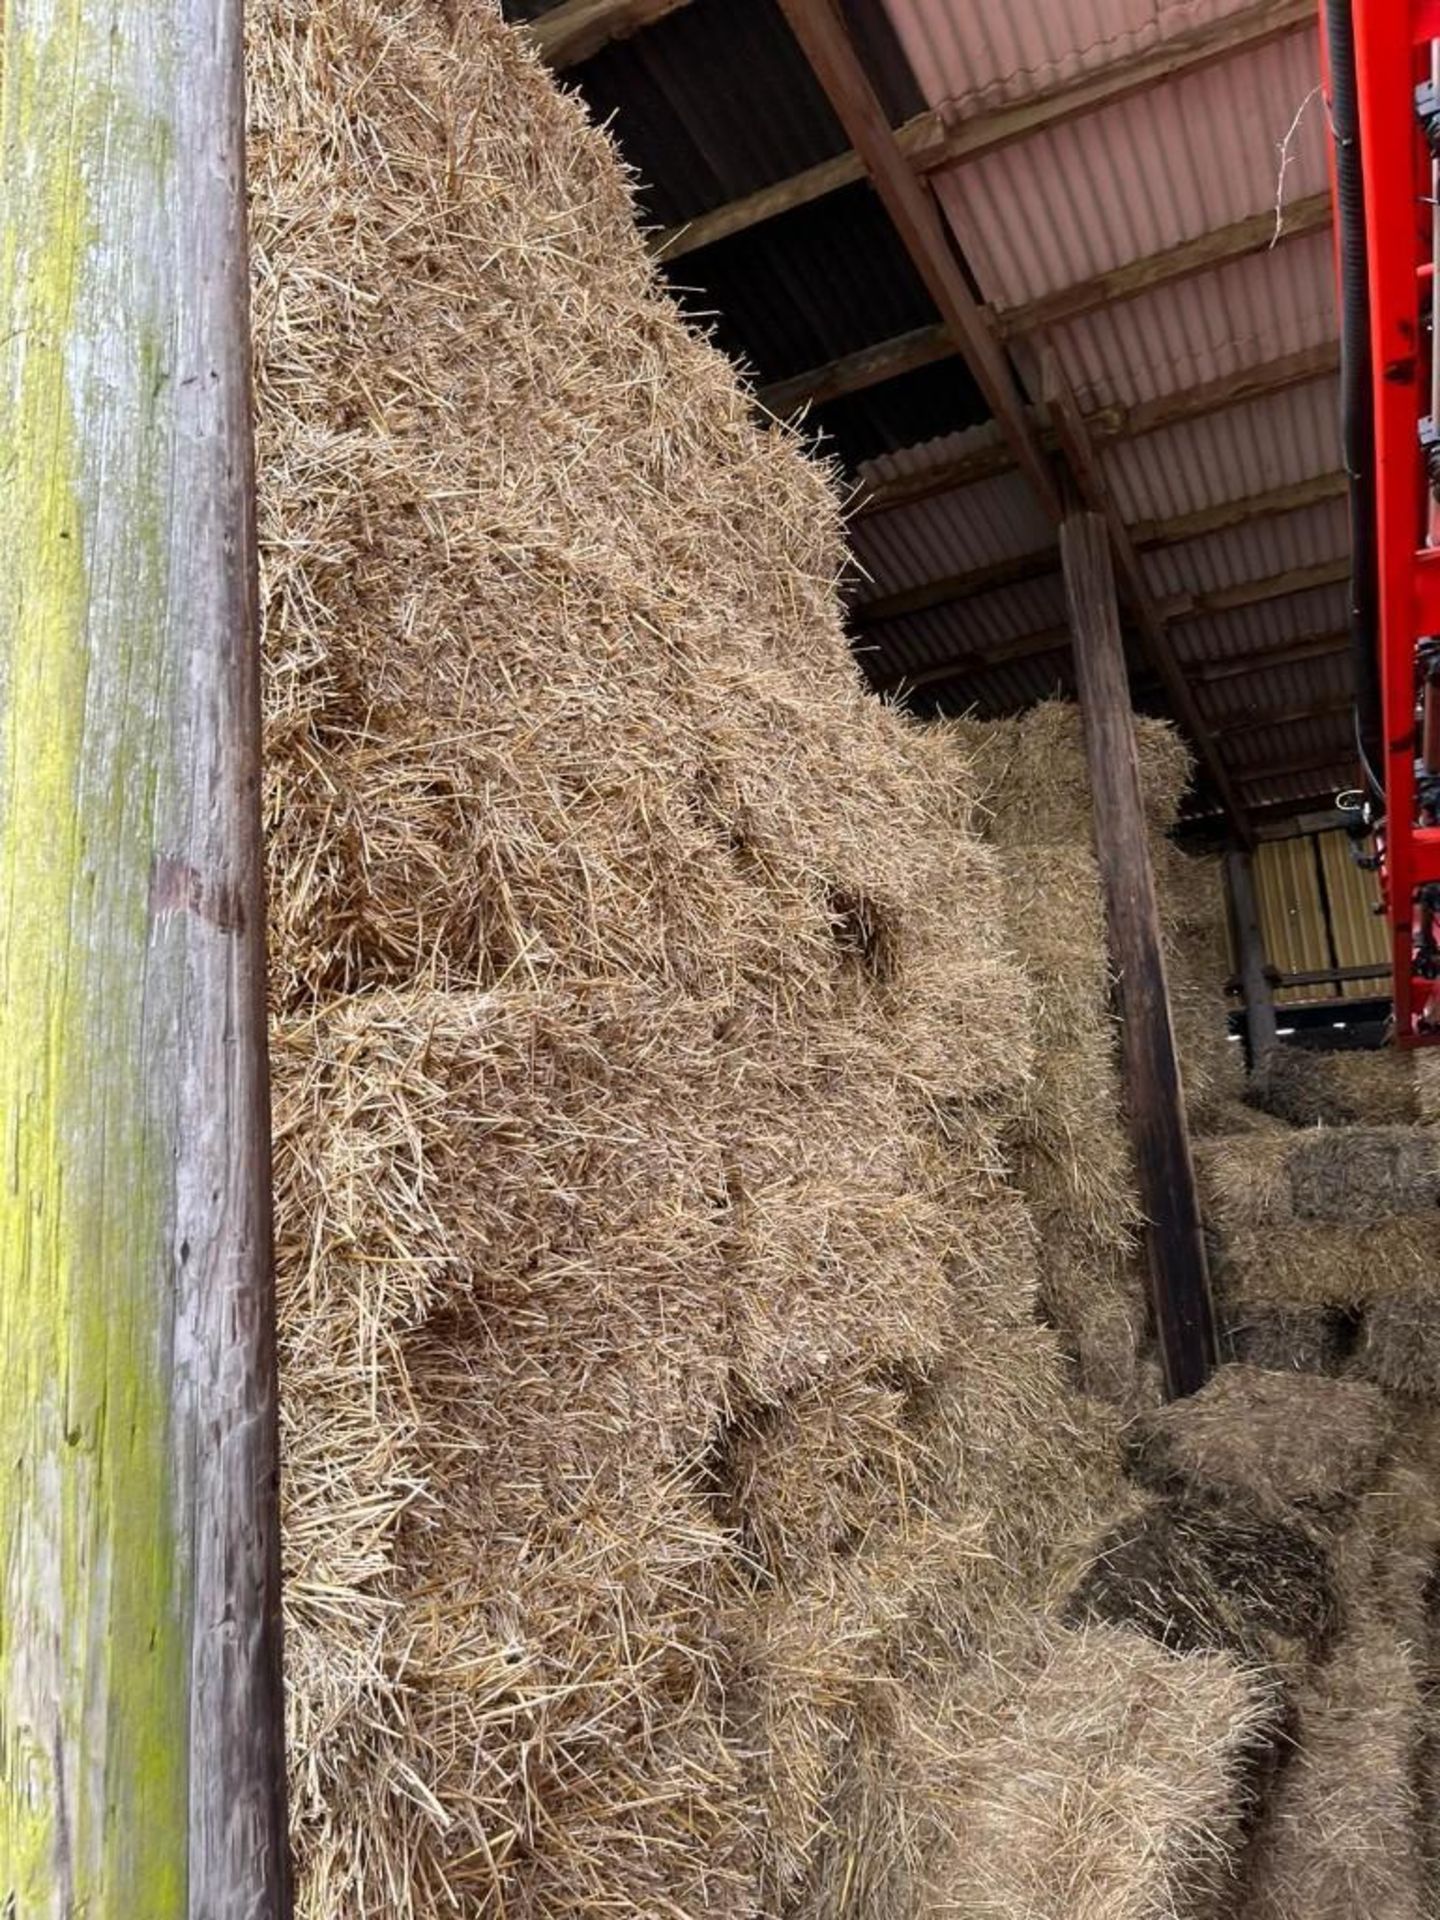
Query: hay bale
[[1364, 1173], [1322, 1264], [1084, 1772], [1343, 1175], [1195, 1575], [1285, 1339], [1281, 1440], [1033, 782], [1244, 1179], [1400, 1346], [647, 1047], [1309, 1088], [1340, 1836]]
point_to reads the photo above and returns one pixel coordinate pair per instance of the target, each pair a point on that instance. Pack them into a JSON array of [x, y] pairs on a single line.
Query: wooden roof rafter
[[923, 346], [927, 238], [1148, 536], [940, 137], [576, 30]]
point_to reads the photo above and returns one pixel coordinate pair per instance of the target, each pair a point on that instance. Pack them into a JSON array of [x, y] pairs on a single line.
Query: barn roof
[[1136, 194]]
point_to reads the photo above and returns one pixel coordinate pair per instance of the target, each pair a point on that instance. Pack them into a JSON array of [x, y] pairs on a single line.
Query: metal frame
[[1392, 55]]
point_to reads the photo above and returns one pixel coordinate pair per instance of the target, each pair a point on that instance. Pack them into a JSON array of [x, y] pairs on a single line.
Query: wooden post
[[1260, 1028], [141, 1753], [1175, 1245]]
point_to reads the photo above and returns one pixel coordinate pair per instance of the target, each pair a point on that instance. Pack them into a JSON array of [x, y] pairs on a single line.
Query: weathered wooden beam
[[1320, 362], [953, 587], [940, 137], [1260, 1025], [1149, 620], [1325, 760], [855, 372], [1333, 976], [578, 29], [1295, 716], [1314, 646], [141, 1740], [1249, 593], [1236, 241], [1319, 489], [1199, 673], [1106, 426], [1154, 1101], [1126, 282], [1149, 536], [827, 46]]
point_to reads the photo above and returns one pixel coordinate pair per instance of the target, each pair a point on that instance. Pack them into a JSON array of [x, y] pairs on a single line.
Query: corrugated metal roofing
[[1271, 442], [1264, 625], [1166, 165], [1283, 689], [950, 533], [716, 100], [981, 56], [1256, 551], [977, 625], [1238, 315]]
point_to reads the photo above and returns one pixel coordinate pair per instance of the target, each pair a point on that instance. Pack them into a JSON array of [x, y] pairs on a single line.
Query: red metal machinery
[[1396, 57]]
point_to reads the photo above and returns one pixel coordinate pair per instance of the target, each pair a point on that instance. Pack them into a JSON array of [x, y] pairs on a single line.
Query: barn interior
[[863, 1414], [853, 1244]]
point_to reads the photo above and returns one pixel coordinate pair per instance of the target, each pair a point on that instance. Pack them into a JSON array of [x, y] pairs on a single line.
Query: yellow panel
[[1292, 918], [1359, 932]]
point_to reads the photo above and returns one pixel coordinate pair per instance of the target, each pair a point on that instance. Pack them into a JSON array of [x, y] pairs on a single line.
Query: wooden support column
[[141, 1740], [1260, 1026], [1175, 1246]]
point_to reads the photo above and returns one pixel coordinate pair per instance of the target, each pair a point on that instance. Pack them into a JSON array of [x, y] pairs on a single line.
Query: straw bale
[[1244, 1179], [1340, 1175], [1400, 1345], [1279, 1439], [1192, 1574], [1191, 895], [1343, 1088], [1426, 1070], [1364, 1173], [1085, 1773], [1324, 1264], [661, 1374], [1033, 780], [1034, 1463], [1339, 1838], [814, 1655], [1305, 1339]]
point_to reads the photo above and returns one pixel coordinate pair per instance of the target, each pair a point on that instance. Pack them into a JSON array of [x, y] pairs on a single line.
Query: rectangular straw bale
[[1283, 1338], [1086, 1773], [1033, 782], [1280, 1440], [1400, 1345], [1337, 1175], [1364, 1173], [1310, 1088], [1327, 1265], [1244, 1180], [1340, 1837]]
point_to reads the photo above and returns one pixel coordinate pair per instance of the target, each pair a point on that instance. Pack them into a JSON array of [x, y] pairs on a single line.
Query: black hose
[[1357, 419]]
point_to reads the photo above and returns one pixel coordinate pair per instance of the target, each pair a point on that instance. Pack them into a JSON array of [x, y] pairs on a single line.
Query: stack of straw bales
[[1296, 1526], [1325, 1236], [1072, 1148], [670, 1437]]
